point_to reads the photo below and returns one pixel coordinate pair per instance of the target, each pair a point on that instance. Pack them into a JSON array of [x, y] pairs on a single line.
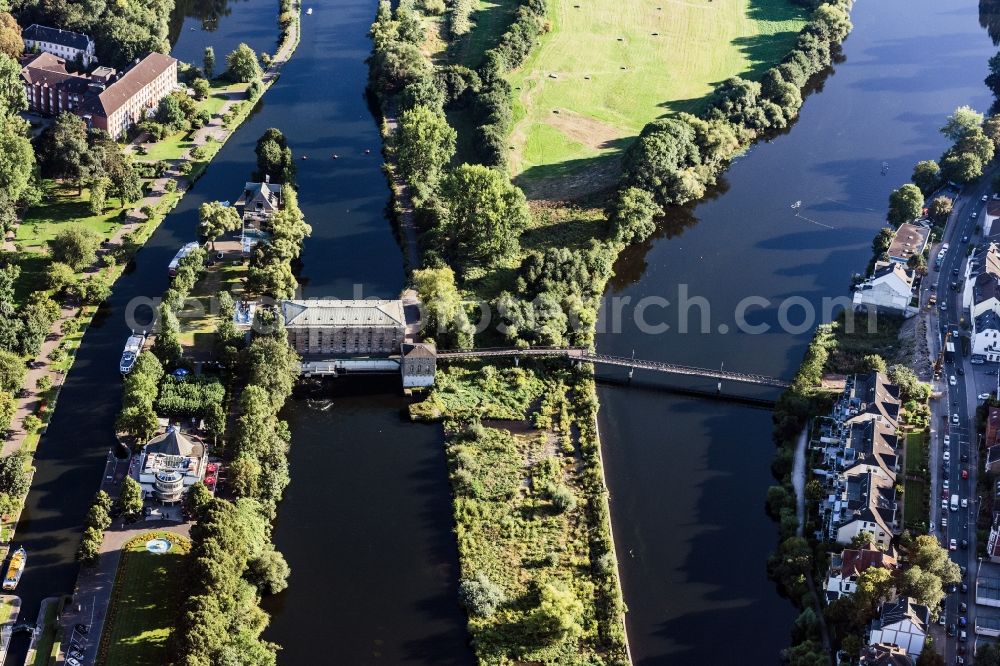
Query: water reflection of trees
[[207, 11], [989, 18]]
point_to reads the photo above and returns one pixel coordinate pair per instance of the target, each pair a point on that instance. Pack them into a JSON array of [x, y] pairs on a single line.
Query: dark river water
[[688, 478], [366, 525]]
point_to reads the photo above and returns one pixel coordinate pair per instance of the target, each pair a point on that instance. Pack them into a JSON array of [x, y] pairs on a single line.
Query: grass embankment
[[531, 513], [605, 69], [145, 604]]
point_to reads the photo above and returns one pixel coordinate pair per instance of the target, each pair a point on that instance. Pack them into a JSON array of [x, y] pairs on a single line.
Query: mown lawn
[[914, 452], [914, 504], [63, 205], [606, 68], [145, 603]]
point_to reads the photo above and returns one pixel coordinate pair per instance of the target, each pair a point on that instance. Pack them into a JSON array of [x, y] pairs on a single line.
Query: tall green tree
[[209, 62], [274, 157], [445, 319], [63, 148], [905, 204], [76, 246], [130, 499], [216, 219], [167, 345], [962, 121], [940, 209], [484, 215], [17, 158], [425, 144], [13, 99], [927, 176], [242, 64]]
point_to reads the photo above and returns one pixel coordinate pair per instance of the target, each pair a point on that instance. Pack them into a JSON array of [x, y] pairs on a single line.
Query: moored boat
[[14, 570], [133, 346]]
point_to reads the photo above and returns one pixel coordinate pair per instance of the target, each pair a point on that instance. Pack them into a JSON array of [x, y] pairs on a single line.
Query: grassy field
[[914, 503], [914, 452], [605, 69], [144, 604], [63, 205]]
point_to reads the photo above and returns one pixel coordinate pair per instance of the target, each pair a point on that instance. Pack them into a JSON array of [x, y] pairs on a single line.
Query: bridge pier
[[517, 361], [631, 371]]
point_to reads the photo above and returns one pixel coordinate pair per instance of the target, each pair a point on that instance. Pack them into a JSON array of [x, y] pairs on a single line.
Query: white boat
[[14, 570], [133, 346], [309, 11], [181, 253]]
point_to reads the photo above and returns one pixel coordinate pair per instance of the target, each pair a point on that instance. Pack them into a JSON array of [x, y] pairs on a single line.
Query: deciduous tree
[[216, 219], [425, 144], [76, 246], [242, 64], [905, 204], [927, 176], [484, 215]]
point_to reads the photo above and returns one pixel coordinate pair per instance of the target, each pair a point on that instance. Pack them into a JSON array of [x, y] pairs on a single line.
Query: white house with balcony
[[890, 287], [169, 465]]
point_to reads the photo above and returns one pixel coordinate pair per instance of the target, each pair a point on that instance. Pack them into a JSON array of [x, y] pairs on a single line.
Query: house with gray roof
[[65, 44], [903, 623], [344, 327]]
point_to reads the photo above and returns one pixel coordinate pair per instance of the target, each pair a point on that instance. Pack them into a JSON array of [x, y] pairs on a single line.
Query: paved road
[[959, 400]]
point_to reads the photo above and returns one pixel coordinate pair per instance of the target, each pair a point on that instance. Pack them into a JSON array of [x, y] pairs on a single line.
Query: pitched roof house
[[890, 287], [842, 576], [62, 43], [909, 241], [903, 623], [344, 326]]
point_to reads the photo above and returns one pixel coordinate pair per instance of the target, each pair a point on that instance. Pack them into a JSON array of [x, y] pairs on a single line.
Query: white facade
[[60, 43], [889, 288], [986, 343]]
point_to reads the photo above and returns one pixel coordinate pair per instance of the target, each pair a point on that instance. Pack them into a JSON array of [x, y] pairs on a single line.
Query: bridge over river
[[317, 365]]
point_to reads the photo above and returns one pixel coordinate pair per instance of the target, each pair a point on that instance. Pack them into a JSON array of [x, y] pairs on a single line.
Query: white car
[[985, 396], [965, 503], [952, 545], [944, 505], [931, 529], [974, 215], [984, 197], [947, 441], [944, 523], [952, 381], [944, 486], [954, 418], [946, 457]]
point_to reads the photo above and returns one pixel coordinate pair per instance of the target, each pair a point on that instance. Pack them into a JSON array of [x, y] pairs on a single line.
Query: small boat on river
[[14, 570], [133, 346]]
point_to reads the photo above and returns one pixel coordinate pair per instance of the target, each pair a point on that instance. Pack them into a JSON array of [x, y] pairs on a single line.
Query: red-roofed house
[[842, 578]]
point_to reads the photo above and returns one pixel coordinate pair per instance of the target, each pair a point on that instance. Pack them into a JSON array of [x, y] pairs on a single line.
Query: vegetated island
[[462, 91]]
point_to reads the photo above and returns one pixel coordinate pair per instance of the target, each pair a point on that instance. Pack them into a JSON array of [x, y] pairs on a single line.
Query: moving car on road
[[952, 545]]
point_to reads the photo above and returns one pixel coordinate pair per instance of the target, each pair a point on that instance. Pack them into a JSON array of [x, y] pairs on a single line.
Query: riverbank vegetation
[[539, 578]]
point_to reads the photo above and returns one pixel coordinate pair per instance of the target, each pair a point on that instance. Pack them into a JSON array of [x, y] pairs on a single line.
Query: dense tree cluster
[[259, 468], [97, 521], [14, 481], [23, 327], [193, 397], [233, 563], [556, 296], [905, 204], [122, 31], [424, 145], [274, 157], [216, 219], [971, 150], [142, 386]]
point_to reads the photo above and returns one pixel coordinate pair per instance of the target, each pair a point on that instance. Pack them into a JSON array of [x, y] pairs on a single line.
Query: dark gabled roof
[[127, 85], [986, 286], [903, 608], [43, 33], [853, 562], [174, 443]]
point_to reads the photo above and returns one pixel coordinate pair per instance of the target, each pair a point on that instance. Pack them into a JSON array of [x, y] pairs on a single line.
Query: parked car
[[965, 457], [947, 441], [965, 239], [963, 607], [952, 545], [965, 503], [965, 474], [951, 629], [947, 456], [975, 214], [951, 380], [964, 587], [984, 198], [961, 370], [965, 544], [82, 629], [984, 396], [944, 503], [954, 419], [944, 306]]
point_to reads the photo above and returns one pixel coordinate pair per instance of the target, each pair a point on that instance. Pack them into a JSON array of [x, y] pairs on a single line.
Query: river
[[366, 525], [688, 478], [383, 581]]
